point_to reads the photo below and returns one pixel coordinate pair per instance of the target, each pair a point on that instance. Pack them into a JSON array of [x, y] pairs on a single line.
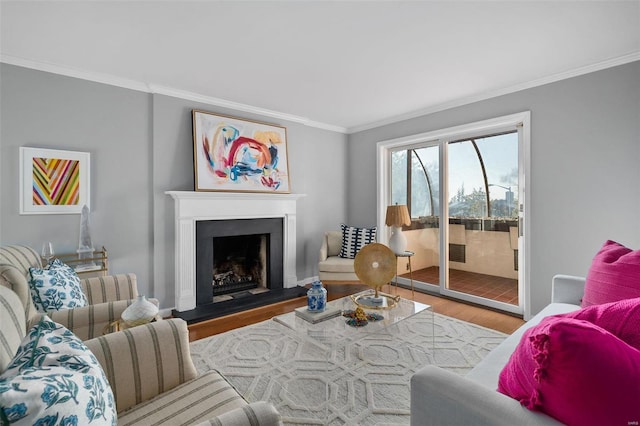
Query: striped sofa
[[108, 296], [150, 371]]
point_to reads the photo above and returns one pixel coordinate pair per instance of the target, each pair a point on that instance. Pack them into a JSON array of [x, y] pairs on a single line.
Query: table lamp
[[397, 216]]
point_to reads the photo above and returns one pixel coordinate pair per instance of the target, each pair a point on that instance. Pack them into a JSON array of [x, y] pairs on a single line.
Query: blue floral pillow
[[55, 380], [56, 287]]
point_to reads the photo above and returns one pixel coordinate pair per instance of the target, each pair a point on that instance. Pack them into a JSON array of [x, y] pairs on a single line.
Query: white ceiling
[[335, 64]]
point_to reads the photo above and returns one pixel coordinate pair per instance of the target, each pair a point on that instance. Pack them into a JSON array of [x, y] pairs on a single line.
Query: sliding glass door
[[416, 183], [482, 182], [464, 192]]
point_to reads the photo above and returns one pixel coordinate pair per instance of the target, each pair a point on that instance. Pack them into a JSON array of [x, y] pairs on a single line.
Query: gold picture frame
[[237, 155]]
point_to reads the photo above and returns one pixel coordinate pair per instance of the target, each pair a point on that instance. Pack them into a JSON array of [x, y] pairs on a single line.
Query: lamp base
[[397, 242]]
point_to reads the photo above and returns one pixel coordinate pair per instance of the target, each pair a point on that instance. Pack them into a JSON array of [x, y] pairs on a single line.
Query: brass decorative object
[[375, 266], [369, 300]]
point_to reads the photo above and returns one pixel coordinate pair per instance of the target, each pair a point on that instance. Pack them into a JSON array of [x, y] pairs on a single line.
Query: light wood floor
[[337, 289]]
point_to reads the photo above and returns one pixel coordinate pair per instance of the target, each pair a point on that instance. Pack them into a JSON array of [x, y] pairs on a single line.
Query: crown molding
[[621, 60], [75, 73], [161, 90], [191, 96]]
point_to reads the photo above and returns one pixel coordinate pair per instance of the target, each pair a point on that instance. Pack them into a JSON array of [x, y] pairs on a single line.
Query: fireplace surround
[[193, 207], [237, 254]]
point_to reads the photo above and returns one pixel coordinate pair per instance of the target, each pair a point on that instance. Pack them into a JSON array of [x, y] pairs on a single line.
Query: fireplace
[[239, 255], [239, 263], [194, 210]]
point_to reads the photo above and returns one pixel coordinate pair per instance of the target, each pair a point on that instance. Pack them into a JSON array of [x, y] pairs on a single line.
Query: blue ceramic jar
[[317, 297]]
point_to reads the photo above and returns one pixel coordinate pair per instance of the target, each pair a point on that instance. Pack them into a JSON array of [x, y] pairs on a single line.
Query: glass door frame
[[521, 122]]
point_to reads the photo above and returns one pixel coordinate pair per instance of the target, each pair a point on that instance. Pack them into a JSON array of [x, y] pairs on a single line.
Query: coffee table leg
[[396, 280], [410, 277]]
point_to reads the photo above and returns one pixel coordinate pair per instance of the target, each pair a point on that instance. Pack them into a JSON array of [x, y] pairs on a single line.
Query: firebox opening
[[239, 263], [237, 241]]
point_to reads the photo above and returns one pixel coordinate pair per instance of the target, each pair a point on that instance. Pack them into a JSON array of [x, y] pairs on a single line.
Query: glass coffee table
[[336, 329], [344, 363]]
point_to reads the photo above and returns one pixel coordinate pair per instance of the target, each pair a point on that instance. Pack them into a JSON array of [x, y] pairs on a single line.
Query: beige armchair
[[331, 266], [151, 374], [108, 296]]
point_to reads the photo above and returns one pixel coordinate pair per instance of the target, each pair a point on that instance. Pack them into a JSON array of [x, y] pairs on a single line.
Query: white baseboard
[[308, 280]]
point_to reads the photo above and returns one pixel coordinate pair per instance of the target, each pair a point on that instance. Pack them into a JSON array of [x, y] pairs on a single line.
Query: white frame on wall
[[27, 156]]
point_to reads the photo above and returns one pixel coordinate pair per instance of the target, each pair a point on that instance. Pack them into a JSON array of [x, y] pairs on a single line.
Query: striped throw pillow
[[353, 239]]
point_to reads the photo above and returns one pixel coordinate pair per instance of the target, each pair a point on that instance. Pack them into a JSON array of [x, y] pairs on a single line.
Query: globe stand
[[369, 300]]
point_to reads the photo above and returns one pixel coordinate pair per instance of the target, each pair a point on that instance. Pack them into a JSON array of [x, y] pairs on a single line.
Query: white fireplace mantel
[[191, 207]]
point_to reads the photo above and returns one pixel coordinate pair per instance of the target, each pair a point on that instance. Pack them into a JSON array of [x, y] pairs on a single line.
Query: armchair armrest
[[110, 288], [567, 289], [90, 321], [265, 414], [145, 361], [440, 397]]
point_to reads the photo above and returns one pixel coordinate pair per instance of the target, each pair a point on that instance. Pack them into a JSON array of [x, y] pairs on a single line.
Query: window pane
[[500, 156], [399, 177], [468, 193], [425, 182], [467, 196]]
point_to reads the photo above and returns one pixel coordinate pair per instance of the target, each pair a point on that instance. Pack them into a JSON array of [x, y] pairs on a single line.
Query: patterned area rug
[[354, 379]]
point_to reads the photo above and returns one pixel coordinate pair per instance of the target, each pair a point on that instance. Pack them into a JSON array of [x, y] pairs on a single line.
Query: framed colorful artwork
[[53, 181], [232, 154]]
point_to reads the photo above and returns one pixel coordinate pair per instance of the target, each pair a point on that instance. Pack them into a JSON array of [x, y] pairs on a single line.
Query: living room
[[585, 135]]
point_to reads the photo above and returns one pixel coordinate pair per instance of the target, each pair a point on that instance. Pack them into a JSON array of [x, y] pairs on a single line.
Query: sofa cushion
[[621, 318], [13, 326], [353, 239], [56, 288], [334, 243], [563, 367], [614, 275], [193, 402], [15, 262], [336, 264], [264, 411], [487, 371], [55, 379]]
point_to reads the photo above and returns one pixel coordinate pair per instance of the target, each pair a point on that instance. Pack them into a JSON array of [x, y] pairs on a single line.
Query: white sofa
[[330, 265], [439, 397]]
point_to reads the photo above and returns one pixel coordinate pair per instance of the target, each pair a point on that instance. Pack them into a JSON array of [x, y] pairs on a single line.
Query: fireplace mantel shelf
[[197, 195], [193, 206]]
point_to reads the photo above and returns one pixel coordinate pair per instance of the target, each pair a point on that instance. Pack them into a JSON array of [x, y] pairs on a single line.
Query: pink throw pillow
[[614, 275], [621, 318], [576, 372]]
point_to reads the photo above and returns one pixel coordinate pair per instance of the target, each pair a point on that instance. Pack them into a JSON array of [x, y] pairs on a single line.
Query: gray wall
[[585, 151], [585, 157], [317, 165], [114, 125], [141, 146]]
